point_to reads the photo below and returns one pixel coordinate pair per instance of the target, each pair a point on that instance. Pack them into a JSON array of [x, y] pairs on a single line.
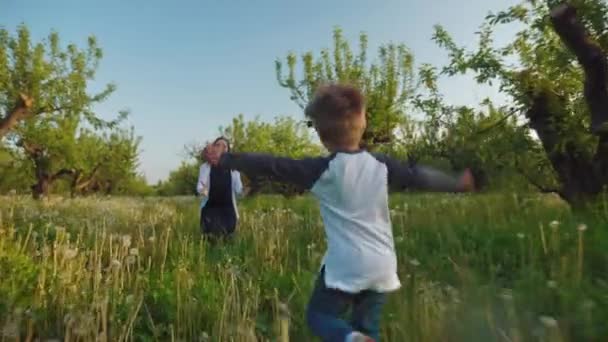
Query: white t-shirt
[[352, 189]]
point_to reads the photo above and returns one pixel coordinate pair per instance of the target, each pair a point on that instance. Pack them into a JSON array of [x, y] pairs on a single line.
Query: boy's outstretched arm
[[403, 175], [301, 172]]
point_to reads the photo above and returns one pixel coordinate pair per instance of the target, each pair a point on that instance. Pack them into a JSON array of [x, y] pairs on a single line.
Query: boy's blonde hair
[[338, 112]]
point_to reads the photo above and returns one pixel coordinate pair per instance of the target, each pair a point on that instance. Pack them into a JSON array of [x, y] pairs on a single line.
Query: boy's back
[[353, 195]]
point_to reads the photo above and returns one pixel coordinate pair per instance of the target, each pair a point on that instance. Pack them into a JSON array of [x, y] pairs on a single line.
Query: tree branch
[[541, 188], [496, 124], [20, 112], [90, 178], [62, 173], [592, 59], [31, 149]]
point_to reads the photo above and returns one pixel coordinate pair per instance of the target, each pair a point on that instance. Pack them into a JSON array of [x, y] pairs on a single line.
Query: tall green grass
[[474, 268]]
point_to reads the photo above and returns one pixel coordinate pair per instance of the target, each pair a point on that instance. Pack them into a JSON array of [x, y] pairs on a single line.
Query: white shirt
[[353, 196], [352, 189]]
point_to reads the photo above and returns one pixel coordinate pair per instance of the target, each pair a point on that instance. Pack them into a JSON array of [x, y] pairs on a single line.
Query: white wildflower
[[10, 330], [554, 224], [152, 239], [115, 263], [520, 235], [588, 304], [131, 260], [548, 321], [126, 241], [70, 253], [507, 295], [414, 262], [129, 299], [581, 227]]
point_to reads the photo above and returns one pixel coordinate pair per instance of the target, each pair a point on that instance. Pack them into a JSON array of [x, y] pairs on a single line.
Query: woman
[[219, 189]]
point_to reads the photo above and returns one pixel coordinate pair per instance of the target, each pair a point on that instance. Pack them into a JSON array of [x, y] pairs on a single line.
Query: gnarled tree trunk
[[582, 177]]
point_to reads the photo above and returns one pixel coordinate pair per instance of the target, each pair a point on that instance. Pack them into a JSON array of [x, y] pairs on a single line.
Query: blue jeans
[[327, 307]]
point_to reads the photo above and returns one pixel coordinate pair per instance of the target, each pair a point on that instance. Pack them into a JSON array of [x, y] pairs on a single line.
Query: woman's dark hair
[[225, 140]]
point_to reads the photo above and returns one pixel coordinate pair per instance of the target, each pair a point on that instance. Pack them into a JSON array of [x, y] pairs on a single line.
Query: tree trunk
[[582, 177], [592, 59], [44, 180], [41, 189], [80, 184]]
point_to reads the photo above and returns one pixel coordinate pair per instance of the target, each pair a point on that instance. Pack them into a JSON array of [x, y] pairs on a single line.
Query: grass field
[[473, 268]]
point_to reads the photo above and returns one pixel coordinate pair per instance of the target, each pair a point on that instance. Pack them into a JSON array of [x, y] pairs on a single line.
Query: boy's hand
[[467, 182]]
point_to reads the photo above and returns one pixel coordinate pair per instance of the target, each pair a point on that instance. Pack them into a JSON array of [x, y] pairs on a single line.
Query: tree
[[105, 163], [388, 85], [283, 137], [121, 161], [44, 100], [566, 105], [14, 175], [181, 181], [488, 139]]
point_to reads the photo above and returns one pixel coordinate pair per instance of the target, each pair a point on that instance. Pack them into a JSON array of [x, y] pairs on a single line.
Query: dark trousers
[[218, 222], [327, 307]]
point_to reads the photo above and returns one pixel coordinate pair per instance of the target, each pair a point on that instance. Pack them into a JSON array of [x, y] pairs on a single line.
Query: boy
[[360, 265]]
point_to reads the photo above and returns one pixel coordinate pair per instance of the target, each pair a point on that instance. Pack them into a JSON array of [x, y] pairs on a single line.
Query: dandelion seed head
[[10, 330], [588, 304], [126, 241], [548, 321], [131, 260], [70, 253], [507, 295]]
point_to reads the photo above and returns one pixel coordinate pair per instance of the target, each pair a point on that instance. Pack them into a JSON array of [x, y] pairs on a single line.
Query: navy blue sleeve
[[301, 172], [408, 175]]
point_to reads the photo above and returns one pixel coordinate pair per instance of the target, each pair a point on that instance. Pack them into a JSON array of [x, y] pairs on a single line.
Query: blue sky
[[183, 68]]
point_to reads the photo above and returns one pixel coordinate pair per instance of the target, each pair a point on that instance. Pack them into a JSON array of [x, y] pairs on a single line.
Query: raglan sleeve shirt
[[301, 172], [404, 175]]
